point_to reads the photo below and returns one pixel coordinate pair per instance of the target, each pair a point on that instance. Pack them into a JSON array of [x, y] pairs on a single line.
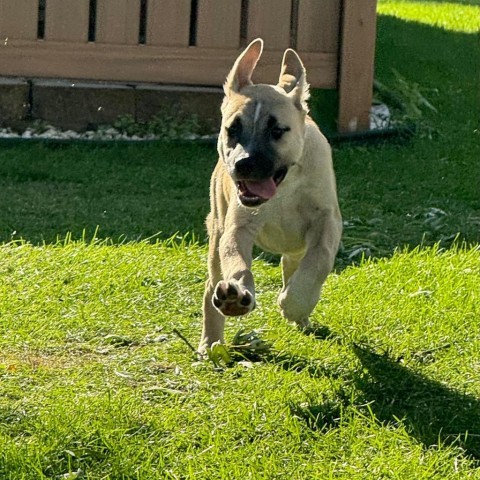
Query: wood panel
[[168, 22], [318, 25], [67, 20], [118, 21], [331, 36], [141, 63], [218, 23], [270, 19], [356, 65], [18, 19]]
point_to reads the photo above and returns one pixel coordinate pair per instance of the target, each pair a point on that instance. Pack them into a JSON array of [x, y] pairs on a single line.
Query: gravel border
[[52, 133], [380, 122]]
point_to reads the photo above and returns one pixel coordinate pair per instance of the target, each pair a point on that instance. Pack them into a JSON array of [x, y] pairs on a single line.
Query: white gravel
[[379, 119], [52, 133]]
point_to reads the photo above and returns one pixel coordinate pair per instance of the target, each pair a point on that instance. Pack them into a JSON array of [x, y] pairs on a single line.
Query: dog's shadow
[[431, 412]]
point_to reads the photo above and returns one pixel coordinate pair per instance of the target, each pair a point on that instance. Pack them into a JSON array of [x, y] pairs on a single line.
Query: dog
[[273, 186]]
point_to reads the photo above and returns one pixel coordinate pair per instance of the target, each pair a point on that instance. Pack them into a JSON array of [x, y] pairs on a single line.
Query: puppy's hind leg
[[303, 279], [213, 320]]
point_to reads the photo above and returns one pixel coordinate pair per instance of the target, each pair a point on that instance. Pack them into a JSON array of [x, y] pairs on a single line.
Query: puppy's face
[[263, 127], [261, 138]]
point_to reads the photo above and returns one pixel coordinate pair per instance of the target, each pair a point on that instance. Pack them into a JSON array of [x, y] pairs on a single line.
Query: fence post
[[356, 64]]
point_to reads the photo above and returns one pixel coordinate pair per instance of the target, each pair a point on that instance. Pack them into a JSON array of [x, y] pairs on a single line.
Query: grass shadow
[[319, 416], [290, 362], [431, 411]]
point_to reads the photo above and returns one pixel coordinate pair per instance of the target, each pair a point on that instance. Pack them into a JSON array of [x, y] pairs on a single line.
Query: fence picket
[[270, 19], [118, 21], [315, 30], [18, 20], [168, 22], [67, 20], [218, 23], [193, 42]]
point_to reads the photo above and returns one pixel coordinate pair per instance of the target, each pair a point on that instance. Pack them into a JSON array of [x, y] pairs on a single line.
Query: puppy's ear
[[241, 73], [293, 79]]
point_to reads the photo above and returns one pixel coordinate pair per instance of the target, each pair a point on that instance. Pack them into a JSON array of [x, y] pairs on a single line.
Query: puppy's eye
[[277, 132], [234, 130]]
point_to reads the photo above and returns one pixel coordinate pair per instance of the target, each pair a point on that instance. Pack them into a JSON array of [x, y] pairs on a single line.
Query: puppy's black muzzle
[[253, 167]]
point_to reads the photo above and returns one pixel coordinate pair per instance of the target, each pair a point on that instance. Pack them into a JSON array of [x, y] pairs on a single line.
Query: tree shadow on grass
[[431, 411]]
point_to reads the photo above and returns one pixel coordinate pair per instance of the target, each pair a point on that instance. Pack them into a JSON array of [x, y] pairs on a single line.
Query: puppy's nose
[[244, 167]]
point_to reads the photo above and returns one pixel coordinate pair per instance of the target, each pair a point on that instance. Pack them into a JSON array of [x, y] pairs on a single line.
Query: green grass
[[455, 16], [94, 379], [129, 192], [96, 383]]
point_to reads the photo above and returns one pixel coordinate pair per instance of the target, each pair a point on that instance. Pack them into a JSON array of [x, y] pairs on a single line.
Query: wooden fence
[[193, 42]]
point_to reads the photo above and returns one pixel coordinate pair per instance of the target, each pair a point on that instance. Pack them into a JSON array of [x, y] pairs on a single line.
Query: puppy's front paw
[[231, 300]]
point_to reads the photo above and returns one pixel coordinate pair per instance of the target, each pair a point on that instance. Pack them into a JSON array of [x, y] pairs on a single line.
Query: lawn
[[94, 379], [103, 258]]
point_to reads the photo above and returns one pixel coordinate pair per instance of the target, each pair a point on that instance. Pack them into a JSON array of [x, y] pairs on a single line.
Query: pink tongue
[[264, 189]]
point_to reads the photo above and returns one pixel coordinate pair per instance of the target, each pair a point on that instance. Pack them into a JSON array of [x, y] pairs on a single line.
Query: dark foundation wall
[[68, 104]]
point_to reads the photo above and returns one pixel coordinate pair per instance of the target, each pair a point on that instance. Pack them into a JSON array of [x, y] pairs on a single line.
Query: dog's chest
[[282, 235]]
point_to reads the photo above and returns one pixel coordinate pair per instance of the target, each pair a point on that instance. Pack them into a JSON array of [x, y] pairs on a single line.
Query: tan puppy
[[273, 186]]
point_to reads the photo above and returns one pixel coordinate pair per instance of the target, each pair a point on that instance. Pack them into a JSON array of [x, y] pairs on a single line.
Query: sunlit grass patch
[[447, 15], [95, 383]]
